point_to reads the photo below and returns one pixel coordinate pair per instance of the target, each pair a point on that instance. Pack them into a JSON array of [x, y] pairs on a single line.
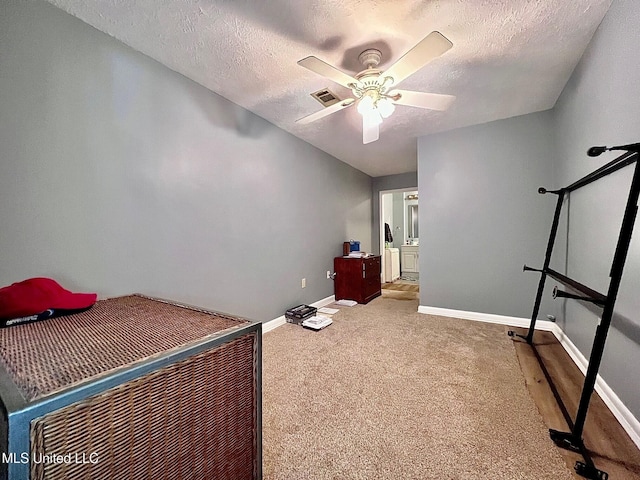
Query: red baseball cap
[[36, 295]]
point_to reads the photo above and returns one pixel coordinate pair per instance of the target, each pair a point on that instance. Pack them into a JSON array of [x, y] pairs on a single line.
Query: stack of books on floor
[[317, 323]]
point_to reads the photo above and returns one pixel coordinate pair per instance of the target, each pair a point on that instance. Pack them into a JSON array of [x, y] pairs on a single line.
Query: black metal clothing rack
[[572, 440]]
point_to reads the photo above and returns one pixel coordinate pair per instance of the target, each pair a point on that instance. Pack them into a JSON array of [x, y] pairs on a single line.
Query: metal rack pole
[[547, 261], [619, 258]]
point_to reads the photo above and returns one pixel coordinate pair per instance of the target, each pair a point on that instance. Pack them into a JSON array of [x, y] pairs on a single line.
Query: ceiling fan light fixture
[[385, 107], [371, 87], [366, 105], [373, 103]]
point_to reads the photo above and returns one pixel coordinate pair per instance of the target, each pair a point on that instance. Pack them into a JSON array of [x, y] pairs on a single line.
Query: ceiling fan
[[374, 90]]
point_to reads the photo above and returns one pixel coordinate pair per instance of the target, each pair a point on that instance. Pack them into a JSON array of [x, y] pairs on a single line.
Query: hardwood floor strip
[[611, 448], [403, 287]]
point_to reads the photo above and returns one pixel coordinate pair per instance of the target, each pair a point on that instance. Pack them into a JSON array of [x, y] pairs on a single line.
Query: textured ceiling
[[509, 58]]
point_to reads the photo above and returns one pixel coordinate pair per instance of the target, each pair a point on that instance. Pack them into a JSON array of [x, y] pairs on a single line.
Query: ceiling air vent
[[325, 97]]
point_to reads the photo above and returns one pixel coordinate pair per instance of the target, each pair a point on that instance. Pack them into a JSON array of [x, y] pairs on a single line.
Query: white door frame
[[381, 222]]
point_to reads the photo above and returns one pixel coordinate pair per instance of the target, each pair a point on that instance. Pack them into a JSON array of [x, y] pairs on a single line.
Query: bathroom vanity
[[409, 258]]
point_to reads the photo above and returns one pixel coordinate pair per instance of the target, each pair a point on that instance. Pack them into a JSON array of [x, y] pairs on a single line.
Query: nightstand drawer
[[371, 267]]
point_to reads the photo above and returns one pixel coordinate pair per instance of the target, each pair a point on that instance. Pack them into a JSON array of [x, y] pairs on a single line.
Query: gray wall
[[481, 217], [398, 227], [381, 184], [118, 175], [600, 105]]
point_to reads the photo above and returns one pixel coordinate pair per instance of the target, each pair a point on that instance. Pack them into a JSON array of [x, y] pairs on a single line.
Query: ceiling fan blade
[[336, 107], [430, 47], [370, 129], [432, 101], [323, 68]]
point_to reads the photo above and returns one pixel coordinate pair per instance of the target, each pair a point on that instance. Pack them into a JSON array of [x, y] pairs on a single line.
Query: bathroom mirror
[[412, 221]]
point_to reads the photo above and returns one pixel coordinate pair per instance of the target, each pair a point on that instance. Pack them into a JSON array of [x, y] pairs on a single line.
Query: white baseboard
[[628, 421], [281, 320], [486, 317], [325, 301], [273, 324]]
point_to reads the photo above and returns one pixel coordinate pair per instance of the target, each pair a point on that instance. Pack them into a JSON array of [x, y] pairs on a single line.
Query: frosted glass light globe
[[386, 107], [365, 105]]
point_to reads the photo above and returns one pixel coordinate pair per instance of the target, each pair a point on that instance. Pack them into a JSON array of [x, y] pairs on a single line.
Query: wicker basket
[[173, 405]]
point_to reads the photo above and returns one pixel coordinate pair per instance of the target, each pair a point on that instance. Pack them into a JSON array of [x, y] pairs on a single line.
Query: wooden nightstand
[[357, 278]]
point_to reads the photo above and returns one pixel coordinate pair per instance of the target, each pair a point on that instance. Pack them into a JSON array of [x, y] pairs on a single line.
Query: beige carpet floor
[[387, 393]]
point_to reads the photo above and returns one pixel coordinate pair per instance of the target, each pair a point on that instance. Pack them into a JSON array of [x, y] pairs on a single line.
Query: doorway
[[399, 243]]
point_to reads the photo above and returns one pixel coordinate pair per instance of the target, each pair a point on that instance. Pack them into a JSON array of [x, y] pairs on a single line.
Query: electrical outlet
[[304, 282], [328, 274]]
